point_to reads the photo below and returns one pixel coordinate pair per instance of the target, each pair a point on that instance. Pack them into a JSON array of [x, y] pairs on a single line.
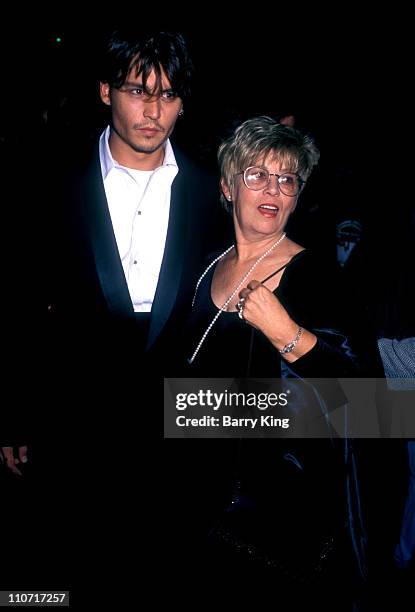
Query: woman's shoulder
[[216, 255], [307, 261], [314, 279], [209, 266]]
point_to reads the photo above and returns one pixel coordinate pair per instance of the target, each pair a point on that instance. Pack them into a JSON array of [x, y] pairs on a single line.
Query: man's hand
[[7, 456]]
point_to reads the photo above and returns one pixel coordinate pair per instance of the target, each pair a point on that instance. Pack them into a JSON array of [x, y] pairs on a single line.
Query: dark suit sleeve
[[23, 304]]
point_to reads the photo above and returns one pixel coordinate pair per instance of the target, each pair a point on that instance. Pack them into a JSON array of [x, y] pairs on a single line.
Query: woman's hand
[[263, 310]]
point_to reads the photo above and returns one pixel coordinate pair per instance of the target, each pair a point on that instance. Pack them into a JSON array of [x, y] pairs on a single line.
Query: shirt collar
[[108, 162]]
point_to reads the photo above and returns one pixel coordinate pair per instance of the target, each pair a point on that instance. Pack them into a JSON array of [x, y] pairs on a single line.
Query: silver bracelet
[[291, 345]]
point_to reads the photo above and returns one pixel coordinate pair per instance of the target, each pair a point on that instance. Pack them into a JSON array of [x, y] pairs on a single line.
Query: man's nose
[[152, 108]]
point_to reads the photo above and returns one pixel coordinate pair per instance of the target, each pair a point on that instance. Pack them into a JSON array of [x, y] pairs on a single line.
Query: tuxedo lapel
[[104, 247], [106, 255], [173, 259]]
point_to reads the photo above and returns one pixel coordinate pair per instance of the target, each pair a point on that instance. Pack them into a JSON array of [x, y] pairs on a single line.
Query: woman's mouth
[[268, 210]]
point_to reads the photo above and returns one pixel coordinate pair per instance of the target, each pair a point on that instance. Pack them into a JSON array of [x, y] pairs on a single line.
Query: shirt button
[[139, 212], [135, 261]]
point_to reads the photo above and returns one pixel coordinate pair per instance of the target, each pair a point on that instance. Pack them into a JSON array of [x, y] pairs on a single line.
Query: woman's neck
[[246, 250]]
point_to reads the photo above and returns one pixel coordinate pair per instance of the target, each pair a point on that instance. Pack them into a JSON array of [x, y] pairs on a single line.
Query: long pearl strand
[[230, 298]]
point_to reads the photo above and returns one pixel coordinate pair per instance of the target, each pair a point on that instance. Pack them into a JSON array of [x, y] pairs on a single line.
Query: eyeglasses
[[256, 178]]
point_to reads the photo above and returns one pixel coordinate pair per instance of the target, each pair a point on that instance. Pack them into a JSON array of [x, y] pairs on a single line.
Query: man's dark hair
[[147, 51]]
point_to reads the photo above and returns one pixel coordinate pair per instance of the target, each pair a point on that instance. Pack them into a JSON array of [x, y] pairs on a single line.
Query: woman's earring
[[229, 198], [181, 112]]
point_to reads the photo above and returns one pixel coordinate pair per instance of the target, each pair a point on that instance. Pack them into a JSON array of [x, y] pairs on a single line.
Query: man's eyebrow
[[133, 84], [140, 84]]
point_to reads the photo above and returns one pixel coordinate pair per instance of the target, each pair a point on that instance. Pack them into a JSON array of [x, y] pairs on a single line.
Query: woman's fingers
[[253, 285], [243, 294]]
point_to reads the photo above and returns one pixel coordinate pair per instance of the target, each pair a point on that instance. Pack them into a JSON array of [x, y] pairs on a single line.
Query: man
[[128, 225], [144, 209]]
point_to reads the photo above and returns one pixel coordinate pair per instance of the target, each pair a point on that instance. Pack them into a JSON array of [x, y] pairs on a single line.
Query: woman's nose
[[273, 186]]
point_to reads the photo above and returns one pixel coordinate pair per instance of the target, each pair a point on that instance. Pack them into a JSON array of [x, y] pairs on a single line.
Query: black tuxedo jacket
[[85, 390], [88, 293], [69, 320]]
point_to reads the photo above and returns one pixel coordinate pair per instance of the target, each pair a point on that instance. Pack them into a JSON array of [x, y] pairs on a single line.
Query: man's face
[[141, 123]]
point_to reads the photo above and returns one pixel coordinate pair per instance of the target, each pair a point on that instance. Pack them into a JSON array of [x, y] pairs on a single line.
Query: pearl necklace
[[234, 292]]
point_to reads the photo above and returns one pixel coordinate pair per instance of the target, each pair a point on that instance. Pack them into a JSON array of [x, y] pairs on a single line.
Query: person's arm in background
[[25, 353]]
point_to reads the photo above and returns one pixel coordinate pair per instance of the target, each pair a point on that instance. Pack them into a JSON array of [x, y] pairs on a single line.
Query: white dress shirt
[[139, 205]]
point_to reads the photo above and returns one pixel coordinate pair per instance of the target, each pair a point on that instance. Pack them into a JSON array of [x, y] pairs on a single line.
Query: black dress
[[293, 509], [312, 294]]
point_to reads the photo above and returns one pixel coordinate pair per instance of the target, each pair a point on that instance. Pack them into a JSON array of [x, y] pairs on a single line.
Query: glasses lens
[[289, 184], [256, 178]]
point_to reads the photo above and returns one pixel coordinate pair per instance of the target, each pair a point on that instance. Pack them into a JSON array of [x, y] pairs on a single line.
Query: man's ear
[[104, 92]]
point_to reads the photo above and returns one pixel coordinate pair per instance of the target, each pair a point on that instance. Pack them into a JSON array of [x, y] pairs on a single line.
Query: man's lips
[[149, 131]]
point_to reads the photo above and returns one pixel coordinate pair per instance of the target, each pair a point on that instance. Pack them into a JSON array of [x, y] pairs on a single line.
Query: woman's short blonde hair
[[255, 139]]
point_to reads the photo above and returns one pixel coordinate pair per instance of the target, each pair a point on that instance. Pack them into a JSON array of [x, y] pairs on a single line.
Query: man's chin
[[148, 146]]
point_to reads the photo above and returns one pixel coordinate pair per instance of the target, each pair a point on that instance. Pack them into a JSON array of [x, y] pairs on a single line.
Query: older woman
[[266, 280], [267, 307]]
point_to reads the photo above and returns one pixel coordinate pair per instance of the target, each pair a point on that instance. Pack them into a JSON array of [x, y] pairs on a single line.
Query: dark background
[[343, 74], [336, 76]]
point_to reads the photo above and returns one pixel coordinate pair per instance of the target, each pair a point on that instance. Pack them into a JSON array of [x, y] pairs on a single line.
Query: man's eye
[[169, 95], [137, 91]]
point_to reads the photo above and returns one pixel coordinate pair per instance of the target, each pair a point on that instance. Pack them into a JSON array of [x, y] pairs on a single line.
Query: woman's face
[[262, 213]]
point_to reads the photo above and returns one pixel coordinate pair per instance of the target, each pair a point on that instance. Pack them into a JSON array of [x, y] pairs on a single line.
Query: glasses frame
[[301, 181]]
